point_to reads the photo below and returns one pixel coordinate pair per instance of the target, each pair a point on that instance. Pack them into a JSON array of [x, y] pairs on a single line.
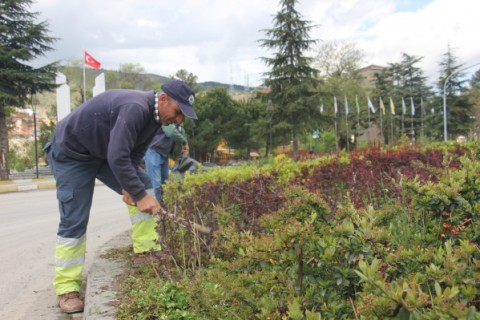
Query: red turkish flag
[[88, 59]]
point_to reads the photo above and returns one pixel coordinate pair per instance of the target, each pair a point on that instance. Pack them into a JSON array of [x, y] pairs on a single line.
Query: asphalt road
[[28, 230]]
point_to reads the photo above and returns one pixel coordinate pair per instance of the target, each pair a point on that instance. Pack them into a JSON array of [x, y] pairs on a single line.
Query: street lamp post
[[445, 99], [34, 109]]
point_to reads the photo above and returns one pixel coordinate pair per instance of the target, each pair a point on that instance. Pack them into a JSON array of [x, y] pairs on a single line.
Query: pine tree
[[474, 98], [291, 79], [460, 115], [413, 87], [405, 80], [22, 39]]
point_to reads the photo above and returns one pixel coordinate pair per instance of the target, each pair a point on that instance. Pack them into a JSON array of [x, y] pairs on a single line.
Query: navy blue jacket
[[116, 126]]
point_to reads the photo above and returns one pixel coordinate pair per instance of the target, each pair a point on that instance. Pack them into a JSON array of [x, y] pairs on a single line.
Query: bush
[[376, 234]]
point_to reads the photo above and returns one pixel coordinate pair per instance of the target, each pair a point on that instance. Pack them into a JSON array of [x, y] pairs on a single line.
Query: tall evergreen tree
[[474, 97], [384, 86], [246, 126], [291, 78], [215, 109], [22, 39], [475, 80], [404, 80], [413, 87], [460, 114]]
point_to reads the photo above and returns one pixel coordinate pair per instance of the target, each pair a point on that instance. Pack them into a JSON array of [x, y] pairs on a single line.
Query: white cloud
[[384, 33], [218, 39]]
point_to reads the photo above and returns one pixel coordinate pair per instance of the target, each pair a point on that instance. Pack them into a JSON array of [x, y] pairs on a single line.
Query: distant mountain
[[234, 88], [143, 81]]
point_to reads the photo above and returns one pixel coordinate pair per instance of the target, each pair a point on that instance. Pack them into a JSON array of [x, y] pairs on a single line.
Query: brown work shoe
[[149, 258], [70, 302]]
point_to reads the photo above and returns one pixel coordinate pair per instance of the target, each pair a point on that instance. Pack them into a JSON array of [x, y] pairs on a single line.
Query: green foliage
[[440, 289], [188, 77], [459, 107], [46, 132], [404, 83], [152, 298], [248, 127], [259, 274], [291, 78], [22, 39], [328, 142], [129, 75], [285, 245], [215, 109], [15, 161], [20, 163]]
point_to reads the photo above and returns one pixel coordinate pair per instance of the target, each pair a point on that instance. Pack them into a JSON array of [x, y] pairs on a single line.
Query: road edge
[[101, 288]]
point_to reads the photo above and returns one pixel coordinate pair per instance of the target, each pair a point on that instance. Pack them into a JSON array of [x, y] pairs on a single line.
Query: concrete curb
[[26, 185], [30, 185], [102, 281]]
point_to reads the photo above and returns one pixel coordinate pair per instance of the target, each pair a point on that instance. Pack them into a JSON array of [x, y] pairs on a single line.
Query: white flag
[[404, 107], [370, 104], [335, 104], [346, 106], [321, 108], [413, 106]]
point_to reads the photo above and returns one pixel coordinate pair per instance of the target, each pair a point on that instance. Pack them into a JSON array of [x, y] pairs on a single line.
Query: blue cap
[[183, 94]]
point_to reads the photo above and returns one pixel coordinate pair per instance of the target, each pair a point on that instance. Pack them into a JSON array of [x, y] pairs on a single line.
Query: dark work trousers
[[75, 182]]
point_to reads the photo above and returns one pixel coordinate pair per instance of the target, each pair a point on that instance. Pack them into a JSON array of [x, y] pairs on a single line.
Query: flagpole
[[404, 111], [346, 123], [369, 123], [421, 119], [335, 107], [392, 118], [413, 115], [412, 131], [336, 135], [358, 117], [84, 82], [391, 128], [381, 120]]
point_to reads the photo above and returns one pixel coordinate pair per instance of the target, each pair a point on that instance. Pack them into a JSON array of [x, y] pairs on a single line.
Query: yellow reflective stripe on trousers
[[69, 264], [70, 249], [144, 235]]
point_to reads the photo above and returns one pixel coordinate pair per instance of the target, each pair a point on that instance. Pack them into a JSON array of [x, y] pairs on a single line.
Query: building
[[21, 129], [368, 74]]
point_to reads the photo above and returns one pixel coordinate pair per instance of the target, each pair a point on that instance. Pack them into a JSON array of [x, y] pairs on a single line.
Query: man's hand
[[127, 198], [147, 204]]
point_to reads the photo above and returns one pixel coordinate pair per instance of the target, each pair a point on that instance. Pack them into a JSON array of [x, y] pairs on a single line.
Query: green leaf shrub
[[374, 234]]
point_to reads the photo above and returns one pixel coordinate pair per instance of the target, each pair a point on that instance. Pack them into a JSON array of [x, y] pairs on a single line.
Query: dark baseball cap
[[183, 94]]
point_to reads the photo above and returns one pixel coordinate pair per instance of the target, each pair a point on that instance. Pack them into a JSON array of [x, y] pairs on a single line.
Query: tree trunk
[[3, 145]]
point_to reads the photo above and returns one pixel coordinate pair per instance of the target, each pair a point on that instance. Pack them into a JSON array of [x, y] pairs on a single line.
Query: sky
[[218, 40]]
